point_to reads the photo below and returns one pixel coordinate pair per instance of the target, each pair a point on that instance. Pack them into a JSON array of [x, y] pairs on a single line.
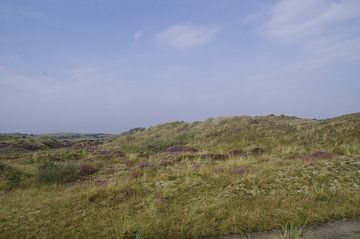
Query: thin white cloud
[[26, 88], [137, 35], [299, 19], [323, 29], [182, 36], [83, 72], [252, 18]]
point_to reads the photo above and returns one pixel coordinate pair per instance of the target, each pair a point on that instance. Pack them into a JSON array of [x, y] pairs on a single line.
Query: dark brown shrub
[[214, 156], [239, 170], [4, 145], [218, 170], [128, 192], [144, 155], [137, 174], [128, 163], [320, 155], [262, 159], [145, 164], [237, 153], [110, 170], [165, 163], [113, 154], [72, 156], [87, 169], [100, 182], [181, 149], [256, 151], [119, 154], [185, 156], [160, 197]]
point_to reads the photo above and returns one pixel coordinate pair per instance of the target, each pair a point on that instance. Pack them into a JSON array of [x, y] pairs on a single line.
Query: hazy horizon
[[159, 123], [108, 66]]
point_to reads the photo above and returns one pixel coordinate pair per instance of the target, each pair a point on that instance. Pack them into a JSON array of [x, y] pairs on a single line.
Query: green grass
[[58, 173], [291, 231], [186, 200], [164, 195], [10, 177], [279, 135]]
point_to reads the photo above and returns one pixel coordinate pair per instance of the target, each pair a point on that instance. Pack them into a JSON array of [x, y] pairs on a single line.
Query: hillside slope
[[274, 134], [180, 180]]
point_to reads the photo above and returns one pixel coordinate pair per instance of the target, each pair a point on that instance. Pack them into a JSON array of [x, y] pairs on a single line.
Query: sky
[[108, 66]]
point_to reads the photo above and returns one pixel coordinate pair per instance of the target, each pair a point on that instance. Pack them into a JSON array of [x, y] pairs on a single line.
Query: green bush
[[58, 156], [58, 173], [157, 145], [151, 145], [9, 176]]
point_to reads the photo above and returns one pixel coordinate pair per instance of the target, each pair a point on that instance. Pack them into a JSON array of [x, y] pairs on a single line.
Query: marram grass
[[165, 195]]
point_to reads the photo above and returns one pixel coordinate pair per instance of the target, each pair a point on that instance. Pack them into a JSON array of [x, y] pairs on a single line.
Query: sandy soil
[[345, 229], [341, 229]]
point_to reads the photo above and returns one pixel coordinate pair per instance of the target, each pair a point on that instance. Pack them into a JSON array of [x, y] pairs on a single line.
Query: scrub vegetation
[[224, 176]]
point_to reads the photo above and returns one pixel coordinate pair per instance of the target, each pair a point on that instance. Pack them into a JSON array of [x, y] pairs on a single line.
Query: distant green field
[[223, 176]]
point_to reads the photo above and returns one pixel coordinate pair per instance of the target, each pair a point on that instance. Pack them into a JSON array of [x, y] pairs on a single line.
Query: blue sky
[[107, 66]]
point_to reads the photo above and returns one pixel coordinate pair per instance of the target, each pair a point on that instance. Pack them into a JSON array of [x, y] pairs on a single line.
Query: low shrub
[[9, 176], [239, 170], [58, 173], [29, 144], [73, 156], [58, 156], [150, 145], [157, 145], [145, 164], [48, 156], [137, 174], [87, 169]]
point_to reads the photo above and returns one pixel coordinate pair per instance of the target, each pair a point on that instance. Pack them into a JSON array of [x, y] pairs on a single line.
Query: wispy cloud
[[248, 19], [137, 35], [83, 73], [182, 36], [299, 19], [323, 29]]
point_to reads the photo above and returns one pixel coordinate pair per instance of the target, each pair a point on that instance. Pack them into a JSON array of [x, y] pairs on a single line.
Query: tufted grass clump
[[50, 172], [292, 230], [10, 177]]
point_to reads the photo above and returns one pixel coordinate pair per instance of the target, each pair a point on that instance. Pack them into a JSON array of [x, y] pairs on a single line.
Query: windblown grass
[[187, 199], [188, 195], [281, 135], [291, 230]]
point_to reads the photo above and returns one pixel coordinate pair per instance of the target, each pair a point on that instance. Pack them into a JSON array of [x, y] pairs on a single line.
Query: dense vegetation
[[223, 176]]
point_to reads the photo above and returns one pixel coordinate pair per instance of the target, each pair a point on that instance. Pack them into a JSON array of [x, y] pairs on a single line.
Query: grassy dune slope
[[275, 134], [303, 171]]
